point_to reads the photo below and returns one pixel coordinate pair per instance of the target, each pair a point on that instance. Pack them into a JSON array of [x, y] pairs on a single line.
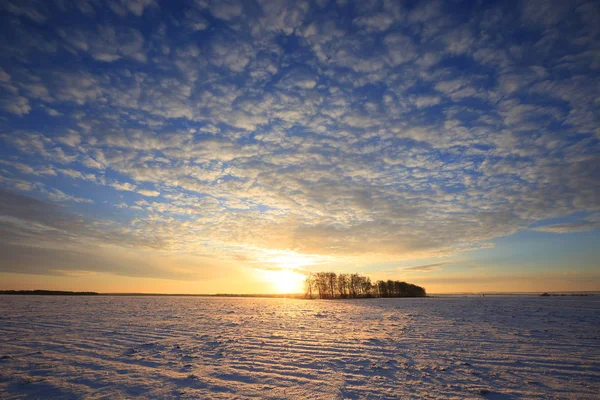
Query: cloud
[[129, 187], [72, 139], [232, 53], [369, 129], [279, 16], [60, 196], [300, 78], [107, 43], [226, 10], [426, 11], [41, 238], [426, 268], [195, 20], [17, 105], [32, 9], [149, 193], [136, 7], [427, 101], [56, 261], [569, 227], [375, 22], [544, 11], [29, 220], [125, 186], [400, 48], [459, 41]]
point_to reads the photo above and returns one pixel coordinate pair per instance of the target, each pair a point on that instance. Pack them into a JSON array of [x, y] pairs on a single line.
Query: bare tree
[[331, 283], [342, 286], [309, 286]]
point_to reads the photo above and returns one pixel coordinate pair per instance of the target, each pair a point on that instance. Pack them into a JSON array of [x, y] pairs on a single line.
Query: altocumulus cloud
[[219, 128]]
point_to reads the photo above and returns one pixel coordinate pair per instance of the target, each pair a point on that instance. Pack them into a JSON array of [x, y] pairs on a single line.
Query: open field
[[496, 347]]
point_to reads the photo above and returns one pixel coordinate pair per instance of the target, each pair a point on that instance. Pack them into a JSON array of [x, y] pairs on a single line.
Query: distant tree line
[[329, 285], [48, 293]]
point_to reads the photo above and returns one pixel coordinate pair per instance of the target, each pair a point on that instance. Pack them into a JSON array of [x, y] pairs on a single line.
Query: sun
[[286, 281], [283, 269]]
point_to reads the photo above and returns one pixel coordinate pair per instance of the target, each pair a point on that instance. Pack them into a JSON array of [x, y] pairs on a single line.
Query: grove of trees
[[329, 285]]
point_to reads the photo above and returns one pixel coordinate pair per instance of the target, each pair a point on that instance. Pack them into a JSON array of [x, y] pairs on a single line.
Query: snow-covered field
[[194, 347]]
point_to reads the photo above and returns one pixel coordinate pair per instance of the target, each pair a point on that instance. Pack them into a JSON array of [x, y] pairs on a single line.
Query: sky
[[235, 146]]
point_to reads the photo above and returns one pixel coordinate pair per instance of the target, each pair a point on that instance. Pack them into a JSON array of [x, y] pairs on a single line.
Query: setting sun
[[283, 269], [285, 281]]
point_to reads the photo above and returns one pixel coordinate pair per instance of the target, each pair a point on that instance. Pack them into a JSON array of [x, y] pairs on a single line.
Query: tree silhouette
[[329, 285]]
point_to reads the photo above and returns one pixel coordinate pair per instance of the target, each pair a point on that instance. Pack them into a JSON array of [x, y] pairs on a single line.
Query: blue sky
[[203, 146]]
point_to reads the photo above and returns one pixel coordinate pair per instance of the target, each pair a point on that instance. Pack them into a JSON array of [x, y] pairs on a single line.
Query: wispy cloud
[[569, 227], [427, 267]]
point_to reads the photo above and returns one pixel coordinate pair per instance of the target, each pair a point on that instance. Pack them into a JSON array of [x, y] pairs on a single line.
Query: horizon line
[[279, 295]]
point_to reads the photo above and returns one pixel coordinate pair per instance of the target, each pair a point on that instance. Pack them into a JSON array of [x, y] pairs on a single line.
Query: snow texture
[[495, 347]]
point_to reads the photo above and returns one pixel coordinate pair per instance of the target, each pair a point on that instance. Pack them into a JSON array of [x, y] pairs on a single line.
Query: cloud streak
[[426, 268], [569, 227]]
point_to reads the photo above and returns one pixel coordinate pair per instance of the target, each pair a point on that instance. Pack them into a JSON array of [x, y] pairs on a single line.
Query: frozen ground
[[191, 347]]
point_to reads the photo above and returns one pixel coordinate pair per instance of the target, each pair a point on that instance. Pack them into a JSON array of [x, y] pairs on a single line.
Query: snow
[[496, 347]]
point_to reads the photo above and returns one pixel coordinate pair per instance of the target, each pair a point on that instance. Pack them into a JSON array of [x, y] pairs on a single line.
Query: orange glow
[[285, 281]]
